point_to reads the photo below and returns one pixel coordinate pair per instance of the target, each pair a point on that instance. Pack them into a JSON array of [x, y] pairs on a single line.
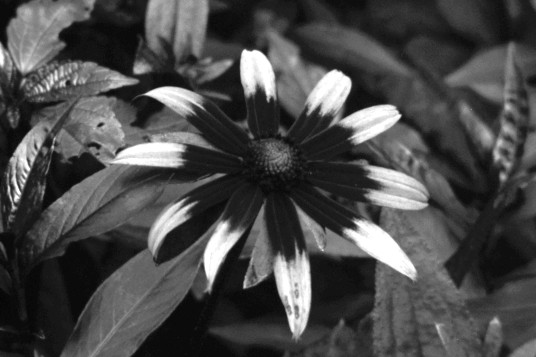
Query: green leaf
[[63, 81], [92, 127], [98, 204], [33, 34], [177, 28], [132, 303], [23, 183], [406, 313]]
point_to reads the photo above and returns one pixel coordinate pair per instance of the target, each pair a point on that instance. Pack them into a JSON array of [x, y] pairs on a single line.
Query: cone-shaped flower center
[[274, 164]]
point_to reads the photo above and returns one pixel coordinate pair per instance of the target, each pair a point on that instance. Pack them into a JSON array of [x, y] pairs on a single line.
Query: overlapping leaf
[[92, 127], [63, 81], [33, 34], [23, 183], [98, 204], [132, 303], [406, 313], [7, 72]]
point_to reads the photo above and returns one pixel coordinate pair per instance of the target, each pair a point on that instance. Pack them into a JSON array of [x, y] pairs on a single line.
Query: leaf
[[527, 350], [476, 19], [406, 313], [33, 34], [23, 184], [515, 306], [296, 77], [348, 48], [98, 204], [180, 25], [62, 81], [92, 127], [514, 122], [493, 340], [132, 303], [8, 72]]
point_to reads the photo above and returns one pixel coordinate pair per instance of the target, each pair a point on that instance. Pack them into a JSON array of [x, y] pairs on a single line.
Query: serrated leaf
[[63, 81], [132, 303], [23, 183], [33, 34], [98, 204], [406, 313], [180, 25], [92, 127], [514, 122], [296, 77]]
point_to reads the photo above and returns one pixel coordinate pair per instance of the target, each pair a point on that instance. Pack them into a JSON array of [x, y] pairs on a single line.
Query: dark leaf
[[147, 61], [33, 34], [23, 183], [132, 303], [406, 313], [181, 25], [476, 19], [92, 127], [63, 81], [98, 204], [514, 122]]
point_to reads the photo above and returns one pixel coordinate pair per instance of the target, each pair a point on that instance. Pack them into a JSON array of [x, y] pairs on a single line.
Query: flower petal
[[350, 131], [205, 116], [258, 80], [179, 156], [262, 259], [188, 206], [291, 262], [181, 137], [369, 184], [322, 106], [366, 235], [238, 215], [309, 224]]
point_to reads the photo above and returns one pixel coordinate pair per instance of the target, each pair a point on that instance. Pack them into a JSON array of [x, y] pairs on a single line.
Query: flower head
[[286, 173]]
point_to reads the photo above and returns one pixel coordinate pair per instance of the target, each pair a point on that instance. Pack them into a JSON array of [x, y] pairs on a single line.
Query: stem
[[205, 317]]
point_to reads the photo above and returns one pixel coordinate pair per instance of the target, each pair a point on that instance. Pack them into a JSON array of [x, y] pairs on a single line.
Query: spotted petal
[[188, 206], [291, 262], [370, 184], [238, 215], [258, 80], [322, 106], [350, 131], [179, 156], [203, 114], [363, 233]]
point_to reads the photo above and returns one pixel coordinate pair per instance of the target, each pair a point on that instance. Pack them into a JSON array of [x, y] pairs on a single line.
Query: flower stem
[[211, 303]]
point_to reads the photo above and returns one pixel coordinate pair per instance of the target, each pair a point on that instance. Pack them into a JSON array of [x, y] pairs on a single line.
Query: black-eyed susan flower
[[288, 174]]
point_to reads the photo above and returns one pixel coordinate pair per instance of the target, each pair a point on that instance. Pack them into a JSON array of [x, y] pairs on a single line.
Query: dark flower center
[[274, 164]]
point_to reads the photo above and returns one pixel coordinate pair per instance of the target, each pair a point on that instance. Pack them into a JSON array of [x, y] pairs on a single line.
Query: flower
[[287, 174]]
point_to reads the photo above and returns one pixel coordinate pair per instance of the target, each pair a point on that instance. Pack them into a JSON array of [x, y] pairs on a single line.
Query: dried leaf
[[180, 25], [92, 127], [33, 34], [24, 180], [406, 313], [98, 204], [63, 81], [132, 303], [296, 77], [514, 122]]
